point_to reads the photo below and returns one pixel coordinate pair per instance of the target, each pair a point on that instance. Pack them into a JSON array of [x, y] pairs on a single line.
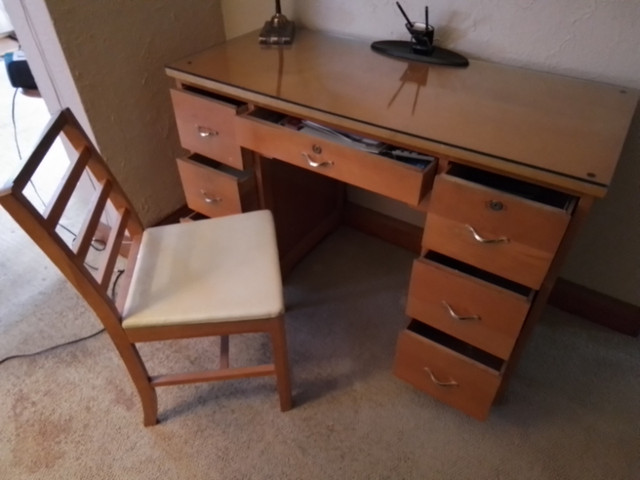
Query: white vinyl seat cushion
[[214, 270]]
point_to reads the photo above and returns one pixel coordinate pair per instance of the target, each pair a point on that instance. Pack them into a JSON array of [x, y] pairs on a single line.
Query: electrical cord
[[71, 342], [13, 120]]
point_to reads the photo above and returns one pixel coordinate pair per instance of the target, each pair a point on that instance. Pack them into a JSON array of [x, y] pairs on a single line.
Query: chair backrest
[[108, 201]]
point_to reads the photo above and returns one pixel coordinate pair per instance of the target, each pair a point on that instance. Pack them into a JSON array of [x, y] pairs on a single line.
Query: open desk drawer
[[214, 189], [505, 226], [335, 155], [447, 369], [482, 309], [206, 125]]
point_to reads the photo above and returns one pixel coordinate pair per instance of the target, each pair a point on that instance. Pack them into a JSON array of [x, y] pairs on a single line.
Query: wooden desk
[[509, 161]]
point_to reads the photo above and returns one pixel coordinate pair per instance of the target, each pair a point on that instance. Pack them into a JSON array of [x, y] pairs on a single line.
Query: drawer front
[[445, 375], [205, 126], [475, 311], [208, 190], [498, 232], [369, 171]]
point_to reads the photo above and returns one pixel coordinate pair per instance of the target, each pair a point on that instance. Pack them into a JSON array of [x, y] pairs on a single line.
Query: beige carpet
[[572, 412]]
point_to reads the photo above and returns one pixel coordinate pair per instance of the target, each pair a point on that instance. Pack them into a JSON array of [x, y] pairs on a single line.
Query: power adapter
[[18, 71]]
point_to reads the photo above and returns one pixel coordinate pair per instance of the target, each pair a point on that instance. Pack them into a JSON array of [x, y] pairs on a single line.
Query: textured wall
[[116, 52], [242, 16], [594, 39], [586, 38]]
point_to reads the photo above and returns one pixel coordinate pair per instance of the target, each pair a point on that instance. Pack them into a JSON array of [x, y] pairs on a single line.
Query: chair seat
[[215, 270]]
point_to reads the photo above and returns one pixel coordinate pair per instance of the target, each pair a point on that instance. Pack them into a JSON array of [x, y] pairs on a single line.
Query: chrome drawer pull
[[481, 239], [210, 200], [205, 132], [313, 163], [450, 383], [453, 314]]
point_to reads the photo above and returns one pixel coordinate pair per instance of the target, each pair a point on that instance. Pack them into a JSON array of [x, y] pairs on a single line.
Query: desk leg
[[306, 207]]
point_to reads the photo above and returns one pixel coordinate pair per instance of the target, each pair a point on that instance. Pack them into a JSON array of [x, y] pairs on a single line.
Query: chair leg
[[281, 361], [138, 372]]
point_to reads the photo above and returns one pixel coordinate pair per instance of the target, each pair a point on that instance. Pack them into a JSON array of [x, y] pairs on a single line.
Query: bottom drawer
[[214, 189], [446, 368]]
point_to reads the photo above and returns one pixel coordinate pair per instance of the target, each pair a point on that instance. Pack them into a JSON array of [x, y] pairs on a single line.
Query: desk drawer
[[483, 310], [206, 126], [500, 232], [214, 189], [443, 373], [261, 131]]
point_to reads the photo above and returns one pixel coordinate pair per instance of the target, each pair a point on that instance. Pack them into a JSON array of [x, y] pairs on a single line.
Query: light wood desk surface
[[562, 131]]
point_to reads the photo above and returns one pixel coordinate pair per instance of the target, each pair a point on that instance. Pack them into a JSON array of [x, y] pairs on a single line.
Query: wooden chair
[[213, 277]]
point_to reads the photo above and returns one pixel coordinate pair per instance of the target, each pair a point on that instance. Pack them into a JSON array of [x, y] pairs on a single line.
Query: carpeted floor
[[572, 411]]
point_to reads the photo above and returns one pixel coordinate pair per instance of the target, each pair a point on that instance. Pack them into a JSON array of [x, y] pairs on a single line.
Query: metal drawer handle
[[453, 314], [479, 238], [450, 383], [205, 132], [313, 163], [209, 199]]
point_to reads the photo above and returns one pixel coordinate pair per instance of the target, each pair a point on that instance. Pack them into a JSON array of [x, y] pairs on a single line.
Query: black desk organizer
[[420, 48]]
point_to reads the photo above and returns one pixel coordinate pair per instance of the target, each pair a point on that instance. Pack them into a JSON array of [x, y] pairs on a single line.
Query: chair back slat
[[112, 250], [51, 133], [73, 268], [117, 197], [109, 198], [65, 189], [91, 221], [77, 137]]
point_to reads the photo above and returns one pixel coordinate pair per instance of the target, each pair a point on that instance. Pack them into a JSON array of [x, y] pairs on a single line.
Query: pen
[[403, 13]]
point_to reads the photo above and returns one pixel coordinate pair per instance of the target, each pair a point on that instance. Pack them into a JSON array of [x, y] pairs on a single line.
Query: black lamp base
[[277, 31], [405, 49]]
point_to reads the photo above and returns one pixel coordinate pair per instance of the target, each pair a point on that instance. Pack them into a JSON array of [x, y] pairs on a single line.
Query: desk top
[[561, 127]]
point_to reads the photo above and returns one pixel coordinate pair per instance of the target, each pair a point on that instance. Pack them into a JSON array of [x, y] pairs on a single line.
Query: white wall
[[594, 39], [39, 41], [588, 38], [242, 16], [5, 23]]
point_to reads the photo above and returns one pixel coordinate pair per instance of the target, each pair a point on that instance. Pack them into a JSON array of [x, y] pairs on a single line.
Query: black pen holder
[[421, 38]]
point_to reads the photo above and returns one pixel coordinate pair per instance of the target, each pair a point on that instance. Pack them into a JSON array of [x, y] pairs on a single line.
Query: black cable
[[115, 281], [71, 342], [13, 120]]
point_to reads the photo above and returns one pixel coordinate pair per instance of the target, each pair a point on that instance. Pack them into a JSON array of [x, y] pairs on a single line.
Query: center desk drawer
[[214, 189], [479, 308], [408, 181], [427, 360], [206, 126], [500, 231]]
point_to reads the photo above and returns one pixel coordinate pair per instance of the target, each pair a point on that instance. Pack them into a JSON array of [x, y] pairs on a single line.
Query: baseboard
[[390, 229], [176, 216], [566, 295], [597, 307]]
